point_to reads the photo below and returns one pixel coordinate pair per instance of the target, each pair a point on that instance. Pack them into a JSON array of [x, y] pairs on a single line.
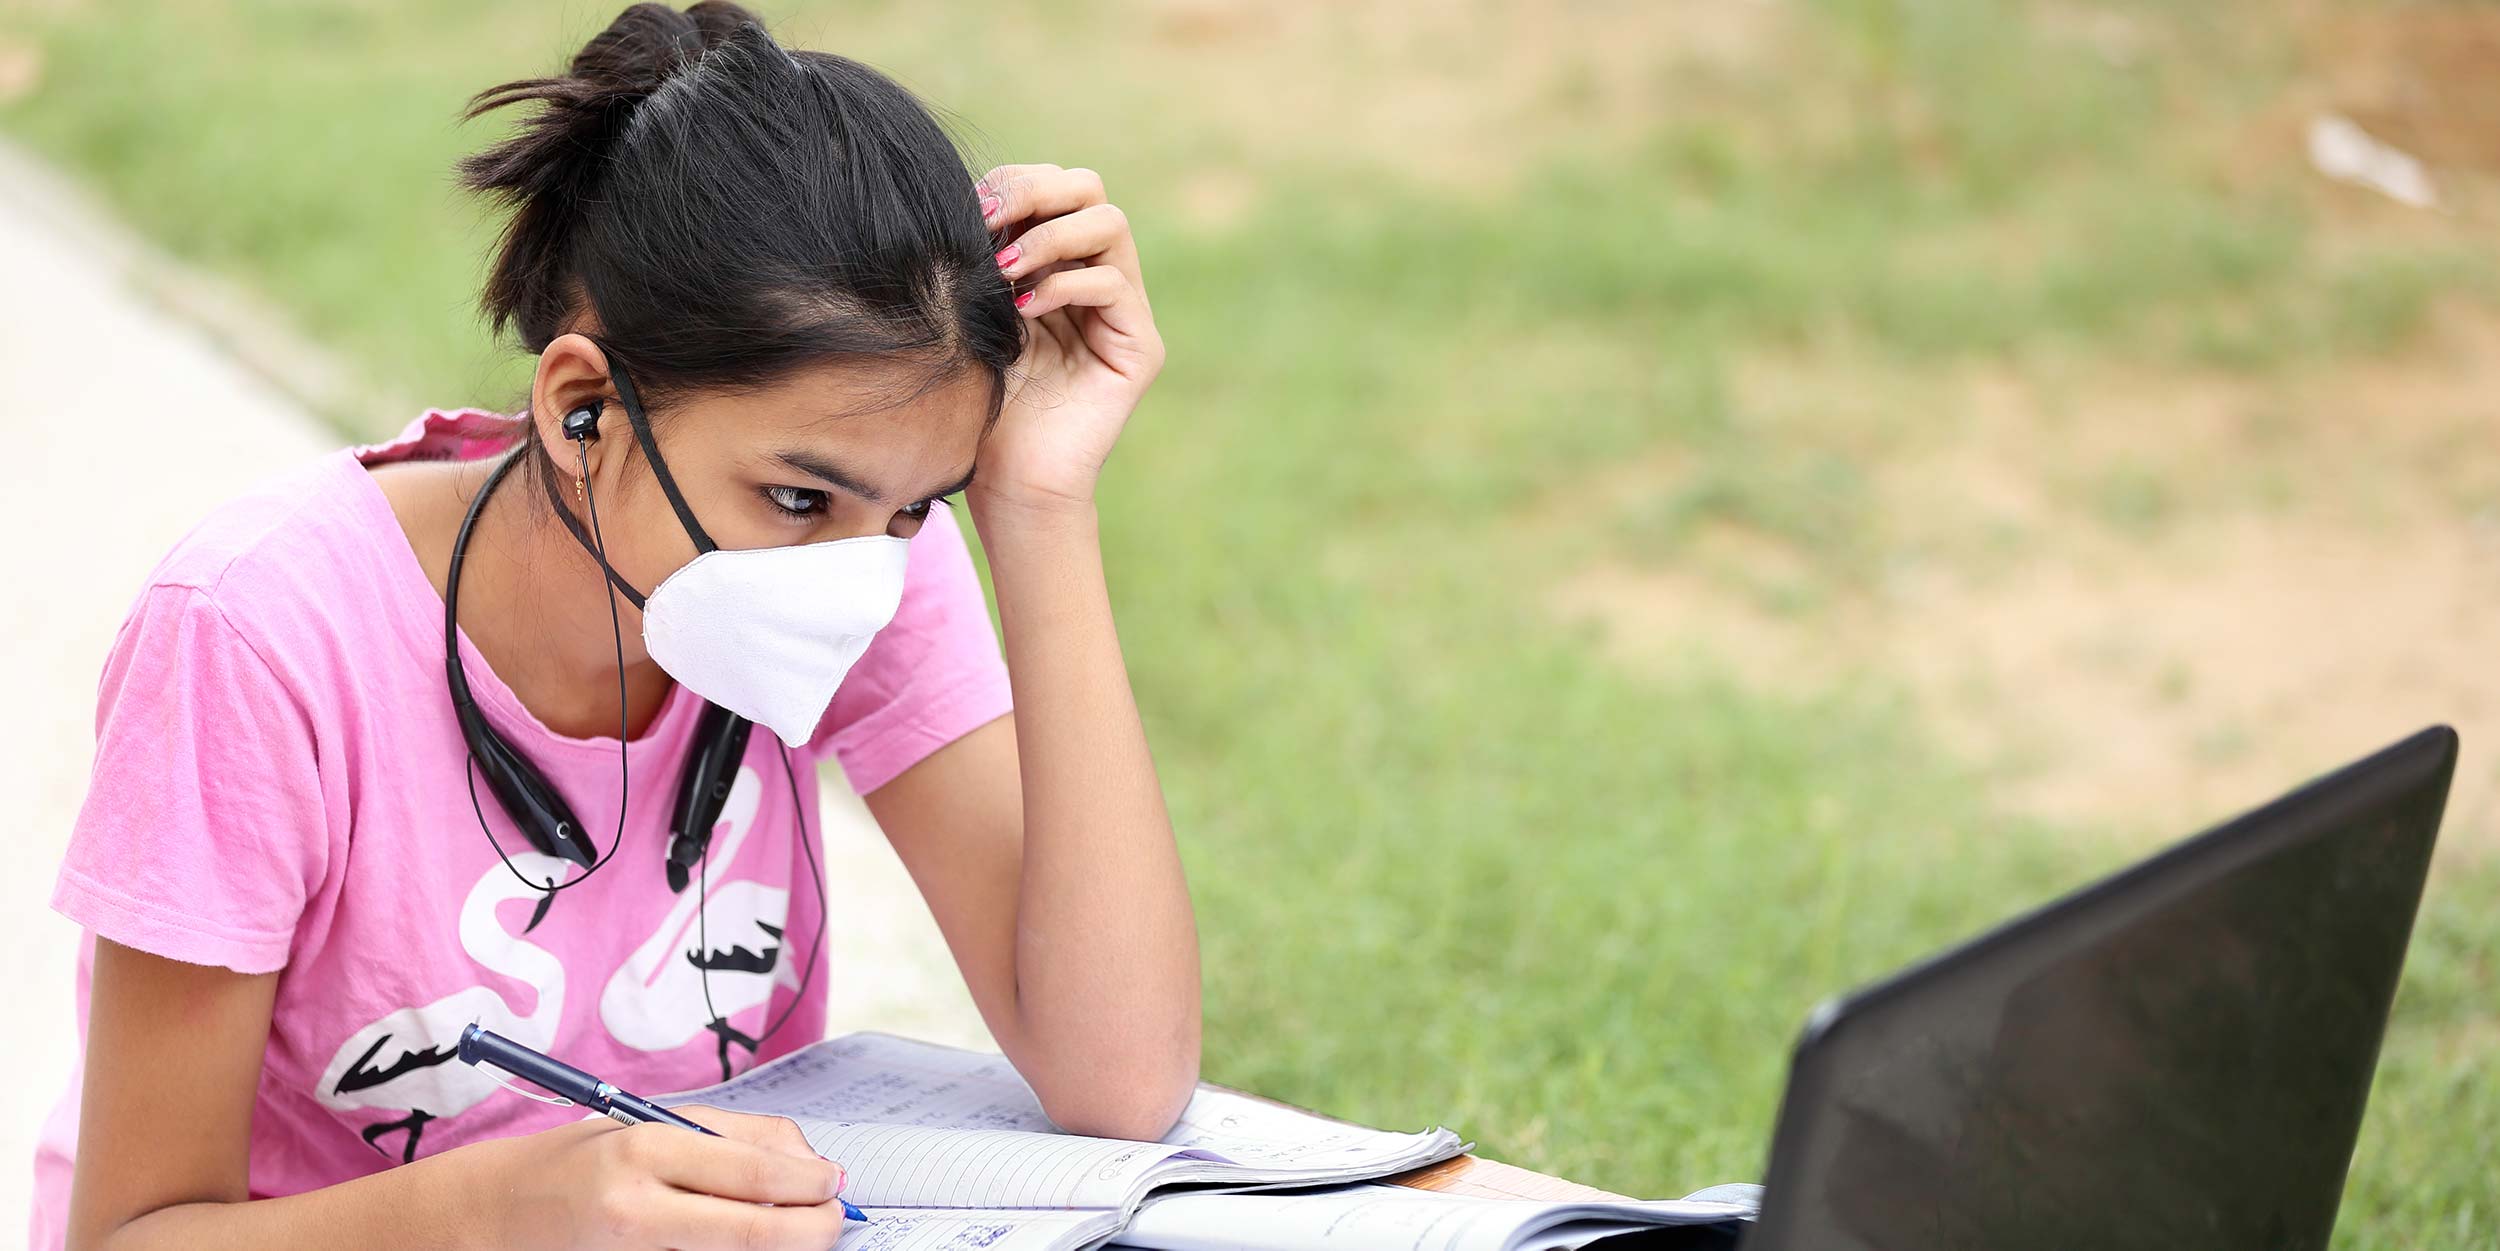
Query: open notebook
[[948, 1148]]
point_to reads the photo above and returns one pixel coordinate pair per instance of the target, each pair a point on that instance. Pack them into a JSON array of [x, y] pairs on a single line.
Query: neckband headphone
[[537, 809]]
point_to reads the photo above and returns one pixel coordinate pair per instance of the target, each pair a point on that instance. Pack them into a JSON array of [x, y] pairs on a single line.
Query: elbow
[[1138, 1110], [1121, 1084], [1138, 1120]]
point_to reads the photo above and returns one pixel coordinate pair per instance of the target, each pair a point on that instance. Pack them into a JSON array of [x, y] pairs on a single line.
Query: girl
[[455, 728]]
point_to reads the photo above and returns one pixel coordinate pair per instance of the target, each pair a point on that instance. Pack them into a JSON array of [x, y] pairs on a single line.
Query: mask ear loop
[[634, 416]]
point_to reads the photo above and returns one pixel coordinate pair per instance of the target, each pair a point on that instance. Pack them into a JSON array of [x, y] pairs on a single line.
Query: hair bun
[[588, 106], [648, 42], [553, 162]]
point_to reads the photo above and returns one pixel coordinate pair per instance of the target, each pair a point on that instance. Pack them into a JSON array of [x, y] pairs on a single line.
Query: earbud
[[583, 423]]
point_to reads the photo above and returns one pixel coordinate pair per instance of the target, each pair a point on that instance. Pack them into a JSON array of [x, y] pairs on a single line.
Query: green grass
[[1452, 864]]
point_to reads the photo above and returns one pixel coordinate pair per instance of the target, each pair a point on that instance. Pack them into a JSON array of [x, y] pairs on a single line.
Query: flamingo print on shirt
[[399, 1063], [402, 1063], [655, 1001]]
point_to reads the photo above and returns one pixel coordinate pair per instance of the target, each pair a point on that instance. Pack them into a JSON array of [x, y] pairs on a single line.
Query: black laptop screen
[[2175, 1059]]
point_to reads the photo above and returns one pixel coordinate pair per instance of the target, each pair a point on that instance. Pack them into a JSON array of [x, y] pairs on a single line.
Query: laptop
[[2175, 1058]]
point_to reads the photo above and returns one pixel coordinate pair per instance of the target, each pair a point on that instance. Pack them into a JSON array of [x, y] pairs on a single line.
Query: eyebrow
[[825, 470]]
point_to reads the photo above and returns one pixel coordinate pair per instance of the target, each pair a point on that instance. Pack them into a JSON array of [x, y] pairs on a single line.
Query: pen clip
[[495, 1075]]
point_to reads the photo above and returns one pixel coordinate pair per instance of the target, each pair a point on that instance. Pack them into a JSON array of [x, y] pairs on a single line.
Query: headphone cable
[[815, 875], [616, 634]]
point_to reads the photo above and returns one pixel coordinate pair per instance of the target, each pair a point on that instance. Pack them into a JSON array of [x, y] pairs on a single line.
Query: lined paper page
[[934, 1167], [1353, 1219], [879, 1077], [910, 1229], [1249, 1131]]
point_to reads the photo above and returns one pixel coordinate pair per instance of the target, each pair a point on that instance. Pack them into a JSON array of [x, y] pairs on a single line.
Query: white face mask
[[768, 632]]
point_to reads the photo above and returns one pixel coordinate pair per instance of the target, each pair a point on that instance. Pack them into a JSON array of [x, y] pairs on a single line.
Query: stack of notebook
[[948, 1148]]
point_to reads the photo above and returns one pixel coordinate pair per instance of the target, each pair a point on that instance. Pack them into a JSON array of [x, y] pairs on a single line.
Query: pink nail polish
[[989, 207], [1007, 255], [1024, 299]]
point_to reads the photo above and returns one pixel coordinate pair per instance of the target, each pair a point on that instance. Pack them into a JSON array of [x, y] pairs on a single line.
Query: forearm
[[1106, 945], [423, 1206]]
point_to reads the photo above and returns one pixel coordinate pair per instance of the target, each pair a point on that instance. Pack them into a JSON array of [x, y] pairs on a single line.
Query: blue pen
[[485, 1046]]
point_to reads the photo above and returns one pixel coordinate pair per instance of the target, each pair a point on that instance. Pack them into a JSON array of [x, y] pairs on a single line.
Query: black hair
[[717, 211]]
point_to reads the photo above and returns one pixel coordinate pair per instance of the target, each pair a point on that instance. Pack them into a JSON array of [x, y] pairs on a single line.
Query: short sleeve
[[204, 832], [931, 676]]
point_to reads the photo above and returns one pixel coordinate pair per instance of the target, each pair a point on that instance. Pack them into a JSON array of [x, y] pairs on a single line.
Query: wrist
[[472, 1186], [1009, 511]]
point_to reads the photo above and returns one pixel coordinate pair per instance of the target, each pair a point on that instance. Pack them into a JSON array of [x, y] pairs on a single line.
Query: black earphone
[[527, 797], [718, 748]]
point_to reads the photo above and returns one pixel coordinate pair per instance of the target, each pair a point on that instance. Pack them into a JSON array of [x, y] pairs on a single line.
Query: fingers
[[1098, 233], [1121, 333], [769, 1153], [992, 188], [729, 1168], [1071, 218], [694, 1222], [1026, 191]]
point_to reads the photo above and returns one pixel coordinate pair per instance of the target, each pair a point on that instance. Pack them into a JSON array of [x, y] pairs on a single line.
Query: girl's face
[[823, 455]]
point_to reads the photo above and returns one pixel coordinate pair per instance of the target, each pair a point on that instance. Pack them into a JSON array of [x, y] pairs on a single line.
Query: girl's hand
[[596, 1183], [1093, 345]]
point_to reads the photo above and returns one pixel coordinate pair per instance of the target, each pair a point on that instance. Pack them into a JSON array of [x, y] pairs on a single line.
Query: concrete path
[[127, 415]]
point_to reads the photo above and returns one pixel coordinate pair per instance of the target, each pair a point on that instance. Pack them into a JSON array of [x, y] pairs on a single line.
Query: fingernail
[[1007, 255], [989, 206], [841, 1178], [1024, 299]]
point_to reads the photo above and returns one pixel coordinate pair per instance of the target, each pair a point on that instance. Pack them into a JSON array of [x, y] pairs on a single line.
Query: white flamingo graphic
[[654, 1002], [398, 1063]]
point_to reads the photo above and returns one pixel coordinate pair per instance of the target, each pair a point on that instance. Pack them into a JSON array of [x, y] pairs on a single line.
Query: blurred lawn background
[[1656, 511]]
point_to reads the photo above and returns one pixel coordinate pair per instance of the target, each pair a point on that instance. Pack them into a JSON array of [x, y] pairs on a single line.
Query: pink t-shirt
[[278, 785]]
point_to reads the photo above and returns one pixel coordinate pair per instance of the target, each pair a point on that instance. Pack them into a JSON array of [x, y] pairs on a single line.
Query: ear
[[572, 372]]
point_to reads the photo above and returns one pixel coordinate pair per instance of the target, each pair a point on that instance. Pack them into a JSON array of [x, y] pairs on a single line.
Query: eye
[[797, 502]]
